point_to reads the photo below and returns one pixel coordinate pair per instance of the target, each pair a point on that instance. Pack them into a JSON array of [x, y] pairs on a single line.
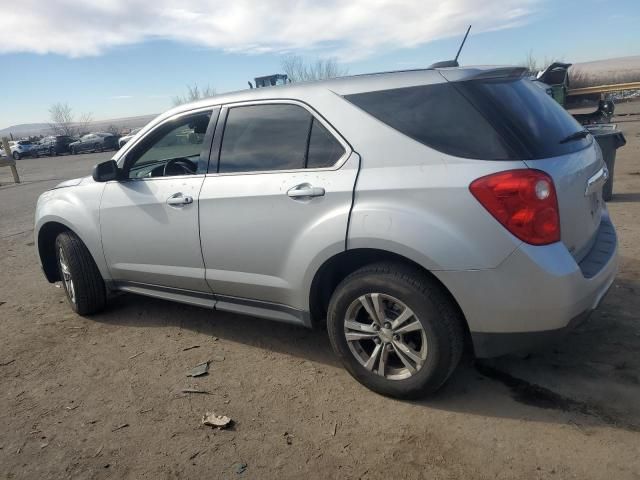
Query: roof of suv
[[356, 84]]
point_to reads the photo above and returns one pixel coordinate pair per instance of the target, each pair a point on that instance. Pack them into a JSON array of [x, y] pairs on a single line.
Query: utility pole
[[9, 161]]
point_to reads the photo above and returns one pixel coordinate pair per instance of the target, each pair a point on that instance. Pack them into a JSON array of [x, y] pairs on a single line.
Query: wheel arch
[[47, 248], [338, 267], [46, 244]]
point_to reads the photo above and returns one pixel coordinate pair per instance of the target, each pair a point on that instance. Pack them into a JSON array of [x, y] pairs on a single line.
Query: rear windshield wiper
[[575, 136]]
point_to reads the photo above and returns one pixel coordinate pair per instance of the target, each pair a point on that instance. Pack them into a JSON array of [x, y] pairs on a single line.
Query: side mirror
[[105, 171]]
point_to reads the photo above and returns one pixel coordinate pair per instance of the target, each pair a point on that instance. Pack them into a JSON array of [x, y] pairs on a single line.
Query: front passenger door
[[149, 218]]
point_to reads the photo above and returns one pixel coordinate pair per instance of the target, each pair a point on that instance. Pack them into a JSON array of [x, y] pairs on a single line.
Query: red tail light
[[523, 201]]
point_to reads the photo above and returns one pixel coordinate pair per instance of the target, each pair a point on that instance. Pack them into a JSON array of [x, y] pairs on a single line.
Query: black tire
[[16, 155], [52, 152], [89, 292], [440, 318], [72, 150]]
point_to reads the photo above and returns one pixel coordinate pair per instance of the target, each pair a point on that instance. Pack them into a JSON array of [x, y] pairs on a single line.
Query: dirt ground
[[101, 397]]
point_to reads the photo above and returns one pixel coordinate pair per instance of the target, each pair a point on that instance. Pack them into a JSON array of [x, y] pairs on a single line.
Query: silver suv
[[408, 212]]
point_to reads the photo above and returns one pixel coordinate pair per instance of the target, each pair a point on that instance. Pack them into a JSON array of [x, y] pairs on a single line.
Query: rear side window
[[481, 119], [437, 116], [533, 123], [264, 137], [324, 148], [272, 137]]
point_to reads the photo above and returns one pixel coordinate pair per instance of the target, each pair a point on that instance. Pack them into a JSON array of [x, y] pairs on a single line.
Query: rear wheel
[[395, 330], [72, 150], [80, 276]]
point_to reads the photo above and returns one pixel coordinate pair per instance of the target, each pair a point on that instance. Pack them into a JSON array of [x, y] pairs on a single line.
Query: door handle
[[178, 199], [305, 191]]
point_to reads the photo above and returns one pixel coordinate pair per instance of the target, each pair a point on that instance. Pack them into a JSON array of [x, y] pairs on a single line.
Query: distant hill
[[24, 129], [29, 129]]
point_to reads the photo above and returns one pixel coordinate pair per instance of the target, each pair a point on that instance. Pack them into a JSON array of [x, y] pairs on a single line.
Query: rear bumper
[[536, 295], [488, 345]]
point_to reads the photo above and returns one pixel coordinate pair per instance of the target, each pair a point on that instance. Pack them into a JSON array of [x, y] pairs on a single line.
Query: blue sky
[[117, 69]]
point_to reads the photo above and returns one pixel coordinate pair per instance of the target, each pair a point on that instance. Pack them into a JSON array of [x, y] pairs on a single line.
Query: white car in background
[[126, 138], [19, 149]]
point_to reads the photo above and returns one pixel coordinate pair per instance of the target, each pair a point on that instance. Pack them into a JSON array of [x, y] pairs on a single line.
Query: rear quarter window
[[485, 119], [532, 122], [436, 116]]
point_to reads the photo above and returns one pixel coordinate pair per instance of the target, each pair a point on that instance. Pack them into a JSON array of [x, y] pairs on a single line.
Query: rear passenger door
[[276, 201]]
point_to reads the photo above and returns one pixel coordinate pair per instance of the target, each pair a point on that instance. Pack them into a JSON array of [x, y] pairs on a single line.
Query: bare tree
[[114, 129], [85, 120], [194, 93], [533, 65], [61, 119], [298, 70]]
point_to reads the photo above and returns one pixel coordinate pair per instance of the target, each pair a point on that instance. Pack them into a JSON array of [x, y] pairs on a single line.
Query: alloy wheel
[[385, 336], [66, 276]]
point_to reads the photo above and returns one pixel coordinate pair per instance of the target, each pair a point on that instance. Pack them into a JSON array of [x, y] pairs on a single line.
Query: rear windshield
[[481, 119]]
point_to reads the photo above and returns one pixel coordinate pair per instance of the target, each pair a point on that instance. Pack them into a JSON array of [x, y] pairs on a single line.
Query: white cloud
[[121, 97], [347, 29]]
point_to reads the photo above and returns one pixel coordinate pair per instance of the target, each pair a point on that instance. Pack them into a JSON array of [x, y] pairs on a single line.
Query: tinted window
[[531, 121], [437, 116], [179, 141], [481, 119], [324, 149], [264, 137]]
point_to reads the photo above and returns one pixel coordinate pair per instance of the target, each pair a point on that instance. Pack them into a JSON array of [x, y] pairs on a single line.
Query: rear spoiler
[[461, 75]]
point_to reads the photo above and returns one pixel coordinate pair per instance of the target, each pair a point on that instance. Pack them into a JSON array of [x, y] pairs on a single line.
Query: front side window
[[172, 149]]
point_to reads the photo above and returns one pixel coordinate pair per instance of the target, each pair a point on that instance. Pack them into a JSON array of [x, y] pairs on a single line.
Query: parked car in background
[[94, 142], [54, 145], [22, 148], [411, 213], [126, 138], [110, 140]]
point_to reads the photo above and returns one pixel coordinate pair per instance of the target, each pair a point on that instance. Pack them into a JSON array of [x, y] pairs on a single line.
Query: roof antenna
[[454, 62], [462, 45]]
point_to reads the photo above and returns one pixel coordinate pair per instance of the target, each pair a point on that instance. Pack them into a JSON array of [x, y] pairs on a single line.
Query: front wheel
[[395, 330], [16, 155], [80, 276]]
